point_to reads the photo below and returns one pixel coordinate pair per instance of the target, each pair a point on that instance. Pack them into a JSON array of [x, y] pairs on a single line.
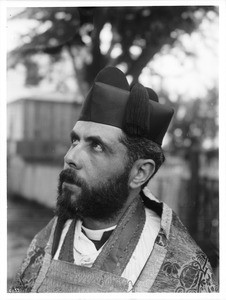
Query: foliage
[[196, 123], [78, 30]]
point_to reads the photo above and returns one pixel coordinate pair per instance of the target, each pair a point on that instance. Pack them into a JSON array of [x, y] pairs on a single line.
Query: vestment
[[176, 264], [86, 250]]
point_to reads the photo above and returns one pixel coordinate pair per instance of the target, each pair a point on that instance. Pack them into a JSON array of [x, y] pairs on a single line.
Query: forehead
[[106, 132]]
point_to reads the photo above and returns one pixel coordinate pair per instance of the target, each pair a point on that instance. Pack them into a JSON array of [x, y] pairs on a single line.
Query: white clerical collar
[[96, 235]]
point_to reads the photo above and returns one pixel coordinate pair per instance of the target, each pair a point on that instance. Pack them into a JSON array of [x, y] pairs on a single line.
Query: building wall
[[33, 181], [38, 138], [15, 121], [48, 120], [39, 130]]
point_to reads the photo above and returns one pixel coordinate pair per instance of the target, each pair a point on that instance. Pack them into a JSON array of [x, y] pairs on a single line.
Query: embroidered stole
[[104, 275]]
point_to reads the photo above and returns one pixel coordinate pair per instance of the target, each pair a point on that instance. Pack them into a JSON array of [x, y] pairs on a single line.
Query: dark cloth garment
[[176, 264], [104, 238]]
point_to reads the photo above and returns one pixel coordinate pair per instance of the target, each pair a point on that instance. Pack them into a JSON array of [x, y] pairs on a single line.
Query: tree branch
[[78, 77], [147, 54]]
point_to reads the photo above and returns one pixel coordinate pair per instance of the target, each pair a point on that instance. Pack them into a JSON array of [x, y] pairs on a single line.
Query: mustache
[[70, 176]]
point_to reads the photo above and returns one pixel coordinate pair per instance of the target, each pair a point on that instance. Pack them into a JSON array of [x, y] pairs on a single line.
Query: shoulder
[[39, 243], [185, 264], [43, 235], [31, 264]]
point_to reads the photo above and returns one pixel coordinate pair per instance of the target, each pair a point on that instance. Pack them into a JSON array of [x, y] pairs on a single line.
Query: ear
[[141, 172]]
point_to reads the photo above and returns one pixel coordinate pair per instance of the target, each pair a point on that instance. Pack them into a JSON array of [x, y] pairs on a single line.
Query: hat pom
[[152, 94], [114, 77], [136, 118]]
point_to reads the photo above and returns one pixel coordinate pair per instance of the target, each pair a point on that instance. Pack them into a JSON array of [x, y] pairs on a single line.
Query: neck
[[99, 224]]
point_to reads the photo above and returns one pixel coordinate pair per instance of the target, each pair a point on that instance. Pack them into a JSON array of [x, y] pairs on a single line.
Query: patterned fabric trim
[[118, 250], [46, 260], [31, 265], [157, 256], [193, 277], [150, 270], [166, 220], [64, 277]]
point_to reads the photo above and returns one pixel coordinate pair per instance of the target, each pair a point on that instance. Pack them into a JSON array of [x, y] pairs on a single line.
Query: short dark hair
[[139, 147]]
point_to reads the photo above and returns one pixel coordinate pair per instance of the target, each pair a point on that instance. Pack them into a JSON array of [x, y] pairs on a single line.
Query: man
[[110, 234]]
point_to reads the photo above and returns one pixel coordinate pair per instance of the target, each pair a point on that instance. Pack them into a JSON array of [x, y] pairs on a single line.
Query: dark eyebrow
[[99, 140], [93, 138], [74, 135]]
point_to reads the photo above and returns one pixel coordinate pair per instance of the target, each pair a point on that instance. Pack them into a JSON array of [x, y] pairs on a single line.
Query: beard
[[102, 202]]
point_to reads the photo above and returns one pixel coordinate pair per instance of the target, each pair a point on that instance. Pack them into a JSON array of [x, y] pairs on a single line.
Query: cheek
[[97, 169], [98, 172], [107, 169]]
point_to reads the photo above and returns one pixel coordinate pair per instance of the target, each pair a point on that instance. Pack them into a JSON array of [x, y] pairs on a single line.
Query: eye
[[97, 147], [74, 141]]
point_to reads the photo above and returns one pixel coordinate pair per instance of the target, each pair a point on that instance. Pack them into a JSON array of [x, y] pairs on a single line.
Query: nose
[[72, 158]]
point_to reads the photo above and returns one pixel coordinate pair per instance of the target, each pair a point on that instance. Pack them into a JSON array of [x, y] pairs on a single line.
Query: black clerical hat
[[135, 109]]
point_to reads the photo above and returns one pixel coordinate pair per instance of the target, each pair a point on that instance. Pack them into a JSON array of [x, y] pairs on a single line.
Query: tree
[[78, 31], [195, 122]]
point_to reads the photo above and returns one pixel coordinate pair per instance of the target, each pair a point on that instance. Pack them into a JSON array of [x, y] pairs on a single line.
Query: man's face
[[94, 182]]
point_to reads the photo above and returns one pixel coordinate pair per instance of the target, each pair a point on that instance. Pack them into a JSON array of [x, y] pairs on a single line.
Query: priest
[[109, 233]]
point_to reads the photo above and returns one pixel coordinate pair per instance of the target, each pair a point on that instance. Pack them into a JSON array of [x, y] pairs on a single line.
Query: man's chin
[[67, 201]]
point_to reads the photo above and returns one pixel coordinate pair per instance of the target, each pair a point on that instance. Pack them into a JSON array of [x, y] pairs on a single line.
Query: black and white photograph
[[112, 148]]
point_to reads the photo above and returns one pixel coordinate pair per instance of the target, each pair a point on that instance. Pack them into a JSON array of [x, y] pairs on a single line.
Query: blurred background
[[54, 54]]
